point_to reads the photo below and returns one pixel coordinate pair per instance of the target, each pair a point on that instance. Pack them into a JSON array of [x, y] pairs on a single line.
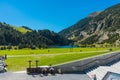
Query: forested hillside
[[13, 36]]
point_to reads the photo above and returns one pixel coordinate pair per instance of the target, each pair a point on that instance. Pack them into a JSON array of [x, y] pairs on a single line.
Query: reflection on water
[[67, 46]]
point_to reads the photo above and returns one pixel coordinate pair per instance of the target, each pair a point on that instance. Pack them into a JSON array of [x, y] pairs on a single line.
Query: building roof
[[111, 76]]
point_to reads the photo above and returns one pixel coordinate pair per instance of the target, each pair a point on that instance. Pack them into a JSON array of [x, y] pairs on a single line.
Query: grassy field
[[21, 29], [18, 59]]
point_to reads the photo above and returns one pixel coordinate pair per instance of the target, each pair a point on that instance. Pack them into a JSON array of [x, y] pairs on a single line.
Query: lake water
[[67, 46]]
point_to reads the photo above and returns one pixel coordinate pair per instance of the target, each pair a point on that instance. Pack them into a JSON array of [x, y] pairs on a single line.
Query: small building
[[2, 58], [111, 76], [2, 64]]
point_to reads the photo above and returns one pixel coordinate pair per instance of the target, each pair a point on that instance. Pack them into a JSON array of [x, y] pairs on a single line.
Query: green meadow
[[18, 59]]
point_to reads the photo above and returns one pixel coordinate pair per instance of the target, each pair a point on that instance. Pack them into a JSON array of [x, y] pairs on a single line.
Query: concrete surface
[[24, 76]]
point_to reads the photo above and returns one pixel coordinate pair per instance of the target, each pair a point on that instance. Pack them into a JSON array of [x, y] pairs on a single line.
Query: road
[[28, 55]]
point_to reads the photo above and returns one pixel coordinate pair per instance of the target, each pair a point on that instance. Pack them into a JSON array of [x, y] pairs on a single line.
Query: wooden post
[[36, 63], [29, 63]]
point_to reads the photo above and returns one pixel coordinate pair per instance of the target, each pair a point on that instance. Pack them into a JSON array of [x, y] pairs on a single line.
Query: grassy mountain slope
[[21, 29]]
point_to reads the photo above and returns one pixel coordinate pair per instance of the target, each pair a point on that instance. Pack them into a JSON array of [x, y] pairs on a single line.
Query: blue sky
[[54, 15]]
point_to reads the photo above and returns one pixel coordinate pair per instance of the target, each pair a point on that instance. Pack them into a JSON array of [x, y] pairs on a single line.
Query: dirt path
[[10, 56]]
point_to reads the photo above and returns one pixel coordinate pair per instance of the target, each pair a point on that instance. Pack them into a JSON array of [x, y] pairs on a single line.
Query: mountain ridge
[[97, 28], [101, 28]]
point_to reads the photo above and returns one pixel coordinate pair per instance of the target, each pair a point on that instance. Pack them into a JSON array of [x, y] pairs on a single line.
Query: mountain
[[97, 28], [26, 37]]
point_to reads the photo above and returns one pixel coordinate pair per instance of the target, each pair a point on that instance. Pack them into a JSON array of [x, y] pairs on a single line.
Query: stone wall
[[81, 65]]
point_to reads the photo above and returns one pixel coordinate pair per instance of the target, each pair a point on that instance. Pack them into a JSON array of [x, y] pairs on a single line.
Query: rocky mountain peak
[[94, 14]]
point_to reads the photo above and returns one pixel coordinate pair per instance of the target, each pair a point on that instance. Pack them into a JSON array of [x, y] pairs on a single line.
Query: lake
[[67, 46]]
